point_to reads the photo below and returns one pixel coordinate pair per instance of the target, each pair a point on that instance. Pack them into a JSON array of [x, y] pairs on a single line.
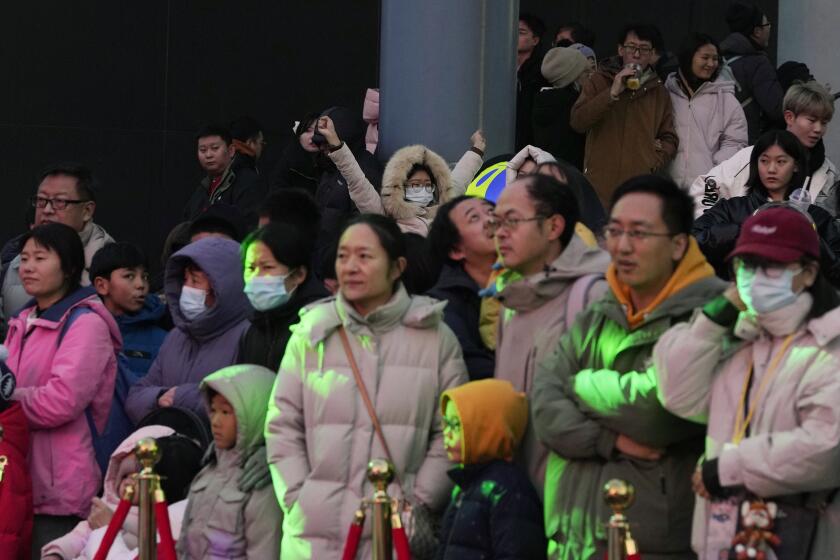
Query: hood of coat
[[112, 483], [151, 313], [319, 320], [493, 419], [219, 259], [576, 260], [737, 44], [717, 87], [247, 388], [396, 174], [826, 327]]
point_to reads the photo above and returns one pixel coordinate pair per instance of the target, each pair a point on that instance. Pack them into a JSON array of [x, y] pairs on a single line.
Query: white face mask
[[763, 294], [267, 292], [193, 302], [419, 195]]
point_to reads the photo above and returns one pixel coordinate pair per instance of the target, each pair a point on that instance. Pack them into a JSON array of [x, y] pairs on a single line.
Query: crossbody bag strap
[[377, 427]]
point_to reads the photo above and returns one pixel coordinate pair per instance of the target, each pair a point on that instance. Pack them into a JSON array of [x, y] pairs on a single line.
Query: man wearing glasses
[[758, 88], [65, 195], [551, 274], [626, 114], [594, 400]]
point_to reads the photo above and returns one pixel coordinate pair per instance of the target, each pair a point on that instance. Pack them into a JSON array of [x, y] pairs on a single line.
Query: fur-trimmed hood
[[396, 175]]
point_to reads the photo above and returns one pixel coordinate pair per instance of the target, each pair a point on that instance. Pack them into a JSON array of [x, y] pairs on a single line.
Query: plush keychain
[[757, 522]]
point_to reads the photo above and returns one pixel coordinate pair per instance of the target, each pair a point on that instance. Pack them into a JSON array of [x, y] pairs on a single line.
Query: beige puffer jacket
[[319, 435], [410, 217], [793, 444]]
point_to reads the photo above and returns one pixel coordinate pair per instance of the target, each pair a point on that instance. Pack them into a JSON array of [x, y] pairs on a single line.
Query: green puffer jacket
[[599, 383]]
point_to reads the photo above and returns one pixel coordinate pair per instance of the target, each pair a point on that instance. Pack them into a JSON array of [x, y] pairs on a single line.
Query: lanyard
[[741, 423]]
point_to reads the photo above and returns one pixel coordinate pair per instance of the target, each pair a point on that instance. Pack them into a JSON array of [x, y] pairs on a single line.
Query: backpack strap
[[579, 297], [74, 314]]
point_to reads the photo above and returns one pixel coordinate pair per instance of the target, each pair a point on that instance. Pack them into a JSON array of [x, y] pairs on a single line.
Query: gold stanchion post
[[619, 495], [380, 472], [148, 454]]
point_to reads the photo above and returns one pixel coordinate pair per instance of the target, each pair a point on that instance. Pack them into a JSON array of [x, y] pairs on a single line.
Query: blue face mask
[[193, 302], [762, 293], [267, 292]]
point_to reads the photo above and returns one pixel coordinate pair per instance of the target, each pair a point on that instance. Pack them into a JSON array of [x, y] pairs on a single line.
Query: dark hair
[[689, 47], [85, 182], [645, 32], [555, 166], [220, 218], [215, 130], [422, 268], [67, 244], [245, 128], [421, 167], [386, 230], [824, 293], [180, 461], [534, 23], [677, 205], [551, 197], [443, 233], [580, 33], [791, 146], [114, 256], [288, 244], [305, 123], [292, 206]]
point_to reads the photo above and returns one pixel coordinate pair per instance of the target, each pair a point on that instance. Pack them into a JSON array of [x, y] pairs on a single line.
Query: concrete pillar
[[447, 68], [808, 32]]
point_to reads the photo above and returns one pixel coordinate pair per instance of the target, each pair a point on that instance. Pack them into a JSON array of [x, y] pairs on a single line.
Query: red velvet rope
[[113, 528], [166, 546], [351, 545], [401, 543]]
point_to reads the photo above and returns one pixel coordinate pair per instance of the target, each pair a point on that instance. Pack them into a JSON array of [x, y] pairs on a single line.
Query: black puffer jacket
[[462, 314], [718, 228], [552, 131], [332, 195], [494, 513], [264, 343], [757, 80]]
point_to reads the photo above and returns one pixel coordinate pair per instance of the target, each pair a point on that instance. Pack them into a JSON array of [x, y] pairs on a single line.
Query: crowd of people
[[651, 296]]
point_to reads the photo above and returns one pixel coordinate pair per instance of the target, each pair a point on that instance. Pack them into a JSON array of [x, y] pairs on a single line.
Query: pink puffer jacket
[[55, 385]]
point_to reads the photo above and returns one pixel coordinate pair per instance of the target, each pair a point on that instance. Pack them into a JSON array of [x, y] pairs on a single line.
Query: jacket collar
[[453, 275], [576, 260], [55, 312]]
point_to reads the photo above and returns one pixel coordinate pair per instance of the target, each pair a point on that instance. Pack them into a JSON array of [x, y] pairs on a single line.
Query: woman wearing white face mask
[[278, 283], [760, 366], [415, 183]]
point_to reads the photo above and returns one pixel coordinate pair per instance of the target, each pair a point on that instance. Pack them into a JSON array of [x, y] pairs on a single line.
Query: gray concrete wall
[[446, 69]]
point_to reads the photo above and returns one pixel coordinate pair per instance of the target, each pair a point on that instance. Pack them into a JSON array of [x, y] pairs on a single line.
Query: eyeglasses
[[638, 49], [428, 187], [451, 425], [56, 203], [509, 224], [770, 269], [613, 233]]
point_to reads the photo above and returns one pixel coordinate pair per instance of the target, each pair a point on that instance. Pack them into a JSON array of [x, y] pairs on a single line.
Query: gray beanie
[[562, 66]]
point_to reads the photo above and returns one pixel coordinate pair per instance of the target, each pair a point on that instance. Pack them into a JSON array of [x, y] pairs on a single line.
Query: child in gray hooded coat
[[221, 521]]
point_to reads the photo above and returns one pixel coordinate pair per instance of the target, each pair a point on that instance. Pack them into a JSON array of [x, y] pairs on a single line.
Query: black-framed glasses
[[638, 49], [770, 269], [509, 224], [614, 233], [56, 203]]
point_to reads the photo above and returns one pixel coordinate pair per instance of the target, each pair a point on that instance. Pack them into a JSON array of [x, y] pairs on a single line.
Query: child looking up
[[495, 511], [221, 521]]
